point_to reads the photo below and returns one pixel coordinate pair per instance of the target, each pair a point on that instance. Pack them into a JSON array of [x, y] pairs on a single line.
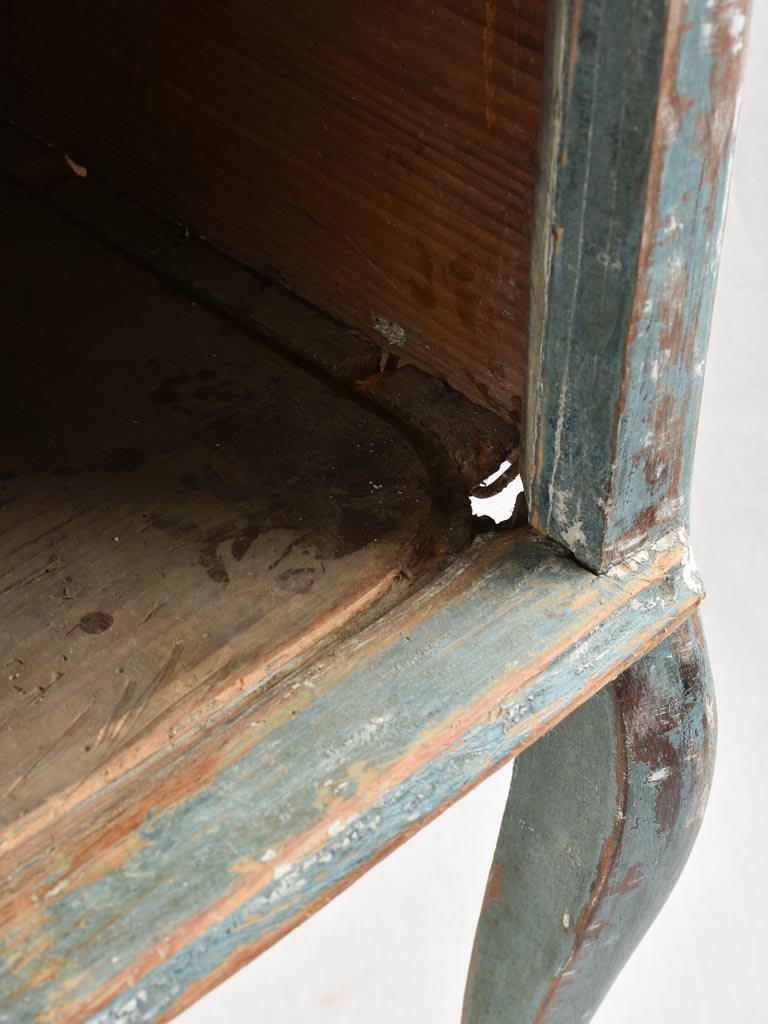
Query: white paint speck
[[609, 261], [56, 889], [736, 26], [268, 855], [690, 571], [394, 333], [672, 225], [574, 535], [659, 775]]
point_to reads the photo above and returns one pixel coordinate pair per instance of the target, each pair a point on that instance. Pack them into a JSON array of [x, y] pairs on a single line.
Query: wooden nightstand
[[283, 285]]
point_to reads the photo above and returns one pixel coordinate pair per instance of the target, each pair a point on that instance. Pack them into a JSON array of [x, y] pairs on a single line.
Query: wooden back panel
[[377, 158]]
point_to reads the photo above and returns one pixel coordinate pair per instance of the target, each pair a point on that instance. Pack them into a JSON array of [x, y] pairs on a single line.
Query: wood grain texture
[[377, 158], [460, 442], [181, 512], [641, 113], [601, 817], [127, 906]]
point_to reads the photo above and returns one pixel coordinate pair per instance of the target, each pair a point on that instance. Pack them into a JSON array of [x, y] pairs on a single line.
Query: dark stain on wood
[[96, 622], [122, 460]]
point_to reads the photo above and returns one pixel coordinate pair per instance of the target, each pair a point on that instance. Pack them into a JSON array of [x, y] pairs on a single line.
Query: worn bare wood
[[181, 513], [640, 121], [377, 158], [601, 817]]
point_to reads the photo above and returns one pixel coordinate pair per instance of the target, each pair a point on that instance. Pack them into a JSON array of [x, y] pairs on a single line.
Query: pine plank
[[181, 512], [377, 158]]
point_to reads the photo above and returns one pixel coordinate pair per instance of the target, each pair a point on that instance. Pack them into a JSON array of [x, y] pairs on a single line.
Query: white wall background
[[395, 947]]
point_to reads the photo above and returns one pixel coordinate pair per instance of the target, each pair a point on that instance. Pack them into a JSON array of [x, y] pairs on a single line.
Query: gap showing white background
[[394, 948], [500, 506]]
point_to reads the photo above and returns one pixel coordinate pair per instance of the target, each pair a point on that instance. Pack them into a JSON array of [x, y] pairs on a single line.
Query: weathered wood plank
[[181, 511], [601, 817], [129, 905], [377, 158], [636, 161]]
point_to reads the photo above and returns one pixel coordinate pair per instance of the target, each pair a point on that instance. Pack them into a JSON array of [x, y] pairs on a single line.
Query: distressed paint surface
[[601, 817], [629, 222], [130, 905]]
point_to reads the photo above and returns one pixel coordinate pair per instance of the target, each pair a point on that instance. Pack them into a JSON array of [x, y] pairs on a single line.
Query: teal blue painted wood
[[176, 876], [637, 150], [172, 877], [601, 817]]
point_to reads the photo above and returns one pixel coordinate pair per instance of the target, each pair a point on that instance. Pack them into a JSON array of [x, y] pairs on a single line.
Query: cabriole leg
[[601, 817]]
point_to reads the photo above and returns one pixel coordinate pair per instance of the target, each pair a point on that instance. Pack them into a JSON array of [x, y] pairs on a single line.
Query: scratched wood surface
[[132, 904], [181, 512], [640, 117], [460, 442], [377, 158], [601, 817]]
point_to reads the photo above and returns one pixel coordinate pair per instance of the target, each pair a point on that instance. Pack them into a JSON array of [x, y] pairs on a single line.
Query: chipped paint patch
[[690, 569], [617, 358], [393, 332], [574, 536]]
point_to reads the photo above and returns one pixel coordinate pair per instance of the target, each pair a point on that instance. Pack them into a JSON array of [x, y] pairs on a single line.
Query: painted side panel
[[129, 906], [629, 222], [601, 817]]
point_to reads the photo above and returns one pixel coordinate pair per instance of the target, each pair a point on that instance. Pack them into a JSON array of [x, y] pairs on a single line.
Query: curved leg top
[[602, 814]]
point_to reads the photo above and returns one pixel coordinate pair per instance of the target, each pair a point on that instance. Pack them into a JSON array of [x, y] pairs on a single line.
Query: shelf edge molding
[[132, 904]]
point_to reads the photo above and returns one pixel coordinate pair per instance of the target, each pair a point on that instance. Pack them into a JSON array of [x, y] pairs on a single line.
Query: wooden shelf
[[182, 513], [245, 656]]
